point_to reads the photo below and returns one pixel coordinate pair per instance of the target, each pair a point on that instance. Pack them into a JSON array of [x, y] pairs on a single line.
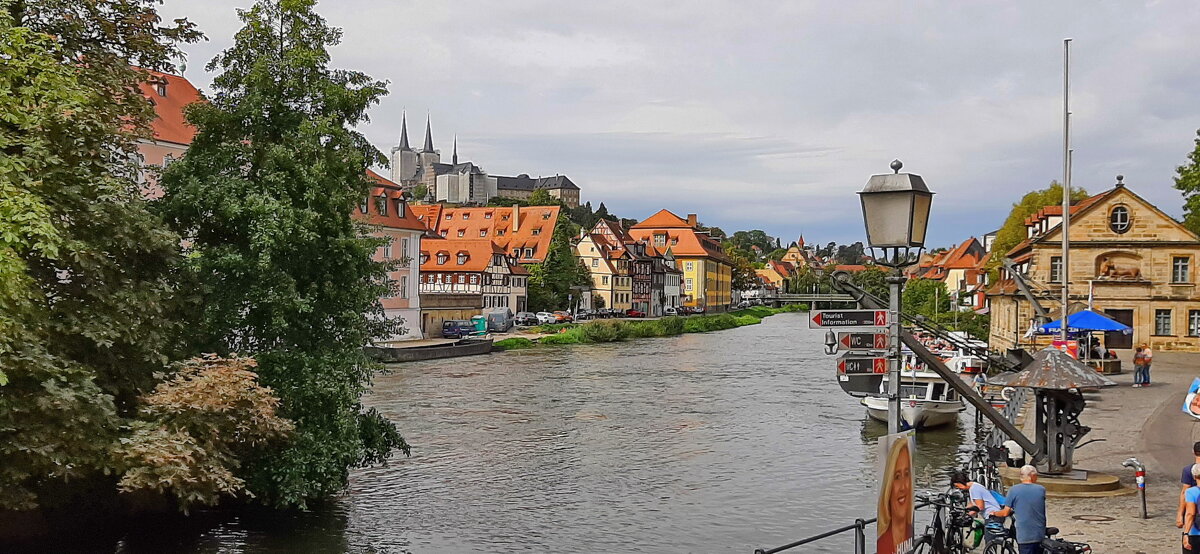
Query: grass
[[616, 330], [515, 343]]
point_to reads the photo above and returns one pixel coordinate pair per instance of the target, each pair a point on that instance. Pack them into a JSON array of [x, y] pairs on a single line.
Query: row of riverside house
[[455, 262]]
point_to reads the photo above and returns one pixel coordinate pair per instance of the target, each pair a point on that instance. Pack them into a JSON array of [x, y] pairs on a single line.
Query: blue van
[[457, 329]]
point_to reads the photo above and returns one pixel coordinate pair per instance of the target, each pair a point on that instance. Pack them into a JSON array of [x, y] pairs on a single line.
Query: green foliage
[[603, 331], [743, 276], [87, 301], [195, 429], [743, 240], [925, 297], [1187, 182], [672, 325], [1013, 230], [561, 338], [514, 343], [420, 192], [550, 282], [873, 280], [974, 324], [264, 198], [541, 197]]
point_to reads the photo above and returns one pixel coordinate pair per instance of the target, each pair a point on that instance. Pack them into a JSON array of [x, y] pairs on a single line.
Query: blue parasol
[[1085, 321]]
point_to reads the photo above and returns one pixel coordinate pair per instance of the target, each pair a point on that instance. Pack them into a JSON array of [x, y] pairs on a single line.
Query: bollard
[[860, 539], [1140, 477]]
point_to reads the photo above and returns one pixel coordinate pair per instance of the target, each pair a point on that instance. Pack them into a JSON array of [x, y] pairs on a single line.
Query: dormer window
[[504, 217], [483, 232], [401, 206], [500, 232], [449, 217], [537, 231], [462, 258], [528, 252], [487, 215], [466, 216], [381, 204], [545, 215], [444, 231], [462, 232], [161, 89], [424, 257], [1118, 219], [443, 258], [516, 252]]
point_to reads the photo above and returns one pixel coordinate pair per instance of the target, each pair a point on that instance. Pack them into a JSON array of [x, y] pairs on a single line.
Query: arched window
[[1118, 219]]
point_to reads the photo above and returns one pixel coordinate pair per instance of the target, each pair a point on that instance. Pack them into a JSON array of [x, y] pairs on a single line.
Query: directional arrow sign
[[849, 318], [862, 365], [863, 341]]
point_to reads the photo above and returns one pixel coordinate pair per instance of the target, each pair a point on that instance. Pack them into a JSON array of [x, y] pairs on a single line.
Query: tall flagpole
[[1066, 186]]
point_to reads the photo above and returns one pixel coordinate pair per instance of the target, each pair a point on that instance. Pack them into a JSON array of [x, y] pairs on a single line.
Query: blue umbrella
[[1085, 321]]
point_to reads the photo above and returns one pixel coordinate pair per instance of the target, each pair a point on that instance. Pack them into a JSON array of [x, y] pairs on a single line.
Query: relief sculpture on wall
[[1111, 267]]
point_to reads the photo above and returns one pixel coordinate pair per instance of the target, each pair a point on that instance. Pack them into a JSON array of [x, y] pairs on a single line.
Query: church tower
[[405, 163], [429, 156]]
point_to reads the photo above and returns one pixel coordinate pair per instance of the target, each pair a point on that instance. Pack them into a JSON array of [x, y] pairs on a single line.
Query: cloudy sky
[[771, 115]]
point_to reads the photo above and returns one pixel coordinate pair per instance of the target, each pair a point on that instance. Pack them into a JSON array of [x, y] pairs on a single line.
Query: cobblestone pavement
[[1146, 423]]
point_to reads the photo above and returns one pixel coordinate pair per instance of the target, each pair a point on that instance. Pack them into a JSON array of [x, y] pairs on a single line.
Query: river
[[716, 442]]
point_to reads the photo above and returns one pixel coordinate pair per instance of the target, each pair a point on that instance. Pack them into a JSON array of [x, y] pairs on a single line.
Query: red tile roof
[[535, 226], [684, 240], [170, 125], [664, 219], [393, 220], [479, 254]]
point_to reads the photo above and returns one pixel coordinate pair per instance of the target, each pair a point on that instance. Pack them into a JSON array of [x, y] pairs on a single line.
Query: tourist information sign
[[849, 318], [863, 341], [862, 365]]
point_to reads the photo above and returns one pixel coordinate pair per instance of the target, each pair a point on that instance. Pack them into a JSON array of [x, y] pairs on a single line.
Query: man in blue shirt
[[1191, 496], [1187, 482], [1026, 502]]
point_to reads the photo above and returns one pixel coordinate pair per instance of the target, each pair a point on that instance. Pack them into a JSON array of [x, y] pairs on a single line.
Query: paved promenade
[[1146, 423]]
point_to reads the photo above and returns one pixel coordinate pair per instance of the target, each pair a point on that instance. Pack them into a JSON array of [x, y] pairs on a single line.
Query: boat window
[[951, 395], [938, 390], [913, 391]]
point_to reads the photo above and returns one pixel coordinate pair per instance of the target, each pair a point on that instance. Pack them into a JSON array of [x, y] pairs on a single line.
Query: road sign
[[849, 318], [862, 365], [863, 341]]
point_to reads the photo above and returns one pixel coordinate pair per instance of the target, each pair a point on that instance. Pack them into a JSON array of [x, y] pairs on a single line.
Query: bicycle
[[1007, 543], [947, 532]]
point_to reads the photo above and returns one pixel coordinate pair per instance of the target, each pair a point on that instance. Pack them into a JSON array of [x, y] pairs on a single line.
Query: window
[[400, 206], [487, 215], [444, 231], [674, 242], [474, 279], [462, 232], [688, 286], [1162, 322], [462, 279], [545, 215], [404, 250], [365, 204], [500, 232], [1055, 269], [167, 159], [528, 252], [483, 232], [404, 286], [504, 217], [537, 231], [1194, 323], [604, 280], [660, 240], [161, 89], [1118, 219], [387, 251], [1181, 269], [443, 258], [595, 262], [462, 258], [424, 257], [466, 216], [381, 205], [688, 265], [449, 217]]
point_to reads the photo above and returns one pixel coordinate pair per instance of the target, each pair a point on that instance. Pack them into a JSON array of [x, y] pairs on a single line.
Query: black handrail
[[860, 542]]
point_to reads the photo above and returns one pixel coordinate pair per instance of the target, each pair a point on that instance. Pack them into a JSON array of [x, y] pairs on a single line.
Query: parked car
[[546, 318], [697, 310], [584, 315], [526, 318], [500, 320], [634, 313], [457, 329], [670, 310], [563, 316]]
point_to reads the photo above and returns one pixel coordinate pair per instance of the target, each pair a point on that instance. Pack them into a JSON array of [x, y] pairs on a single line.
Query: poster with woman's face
[[895, 525], [1191, 402]]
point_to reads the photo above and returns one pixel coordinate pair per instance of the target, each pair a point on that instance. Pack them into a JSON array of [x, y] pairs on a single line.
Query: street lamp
[[896, 212]]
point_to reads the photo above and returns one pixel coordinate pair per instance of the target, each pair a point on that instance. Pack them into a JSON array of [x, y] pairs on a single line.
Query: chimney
[[691, 220], [516, 217]]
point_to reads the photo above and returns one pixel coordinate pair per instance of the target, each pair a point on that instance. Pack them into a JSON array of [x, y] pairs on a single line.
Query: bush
[[569, 337], [603, 331], [671, 326], [743, 320], [644, 329], [515, 343]]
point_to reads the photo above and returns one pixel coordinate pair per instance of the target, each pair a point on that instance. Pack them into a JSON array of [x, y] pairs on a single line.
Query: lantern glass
[[888, 216], [920, 218]]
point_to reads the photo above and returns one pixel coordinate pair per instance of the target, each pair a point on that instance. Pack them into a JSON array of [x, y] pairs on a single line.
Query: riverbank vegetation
[[615, 330]]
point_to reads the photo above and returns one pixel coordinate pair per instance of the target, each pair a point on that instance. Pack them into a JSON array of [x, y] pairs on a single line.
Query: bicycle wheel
[[1000, 547], [922, 545]]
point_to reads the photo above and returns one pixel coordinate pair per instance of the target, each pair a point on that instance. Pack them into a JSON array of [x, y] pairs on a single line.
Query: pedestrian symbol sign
[[849, 318]]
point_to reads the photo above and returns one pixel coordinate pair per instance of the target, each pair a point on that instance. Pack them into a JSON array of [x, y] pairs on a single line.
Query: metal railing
[[860, 539]]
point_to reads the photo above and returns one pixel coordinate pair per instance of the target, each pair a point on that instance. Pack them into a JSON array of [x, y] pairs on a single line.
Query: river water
[[716, 442]]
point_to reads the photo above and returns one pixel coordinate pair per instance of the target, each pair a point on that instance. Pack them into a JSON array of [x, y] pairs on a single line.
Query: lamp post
[[896, 212]]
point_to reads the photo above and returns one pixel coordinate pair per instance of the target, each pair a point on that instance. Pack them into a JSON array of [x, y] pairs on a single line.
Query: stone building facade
[[1137, 264]]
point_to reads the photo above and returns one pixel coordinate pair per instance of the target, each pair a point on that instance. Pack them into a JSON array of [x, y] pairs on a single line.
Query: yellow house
[[707, 271], [603, 253], [1136, 263]]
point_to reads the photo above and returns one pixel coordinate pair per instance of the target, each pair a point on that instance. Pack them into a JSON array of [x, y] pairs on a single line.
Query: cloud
[[771, 115]]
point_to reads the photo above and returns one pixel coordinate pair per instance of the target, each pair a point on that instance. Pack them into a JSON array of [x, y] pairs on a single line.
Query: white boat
[[925, 401]]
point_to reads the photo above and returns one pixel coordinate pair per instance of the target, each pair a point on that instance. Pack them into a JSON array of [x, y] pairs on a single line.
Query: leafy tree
[[503, 201], [776, 254], [602, 213], [1013, 230], [850, 254], [541, 197], [420, 192], [87, 310], [973, 324], [872, 280], [550, 282], [264, 198], [1187, 182], [925, 297], [745, 239]]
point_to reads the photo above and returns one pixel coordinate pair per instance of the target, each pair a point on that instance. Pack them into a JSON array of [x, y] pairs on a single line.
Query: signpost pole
[[895, 283]]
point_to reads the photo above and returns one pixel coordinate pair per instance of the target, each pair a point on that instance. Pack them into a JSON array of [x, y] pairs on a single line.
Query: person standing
[[1187, 481], [981, 498], [1191, 536], [1139, 365], [1147, 360], [980, 381], [1026, 502]]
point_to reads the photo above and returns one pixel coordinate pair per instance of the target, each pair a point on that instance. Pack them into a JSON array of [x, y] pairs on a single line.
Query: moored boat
[[925, 401]]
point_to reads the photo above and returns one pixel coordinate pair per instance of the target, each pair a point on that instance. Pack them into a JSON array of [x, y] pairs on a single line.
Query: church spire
[[454, 160], [404, 131], [428, 137]]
